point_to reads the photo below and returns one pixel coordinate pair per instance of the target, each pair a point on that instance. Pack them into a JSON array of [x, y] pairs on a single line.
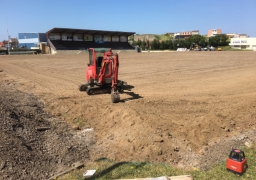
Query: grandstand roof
[[89, 31]]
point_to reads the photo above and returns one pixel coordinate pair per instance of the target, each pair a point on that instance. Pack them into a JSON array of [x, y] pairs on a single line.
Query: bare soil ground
[[184, 108]]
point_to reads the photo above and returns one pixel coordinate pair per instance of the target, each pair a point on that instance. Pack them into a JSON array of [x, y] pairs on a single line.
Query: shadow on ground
[[108, 170], [128, 91]]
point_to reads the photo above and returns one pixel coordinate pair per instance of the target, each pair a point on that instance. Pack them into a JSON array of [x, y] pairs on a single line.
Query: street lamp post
[[9, 45], [8, 38]]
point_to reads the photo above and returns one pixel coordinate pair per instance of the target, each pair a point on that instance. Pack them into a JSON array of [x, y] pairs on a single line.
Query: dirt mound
[[33, 144]]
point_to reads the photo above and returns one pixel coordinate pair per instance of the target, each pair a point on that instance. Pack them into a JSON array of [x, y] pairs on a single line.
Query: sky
[[139, 16]]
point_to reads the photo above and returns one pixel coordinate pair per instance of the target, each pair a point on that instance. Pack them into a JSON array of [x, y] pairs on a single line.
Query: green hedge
[[2, 51], [23, 49], [20, 51]]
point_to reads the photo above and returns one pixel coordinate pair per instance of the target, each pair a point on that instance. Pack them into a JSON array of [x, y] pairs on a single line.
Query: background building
[[213, 32], [31, 40], [6, 43], [186, 34], [14, 43], [2, 45], [64, 40], [232, 35], [243, 36], [243, 43]]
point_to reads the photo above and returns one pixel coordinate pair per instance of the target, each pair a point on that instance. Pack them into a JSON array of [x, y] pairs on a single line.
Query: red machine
[[236, 161], [102, 74]]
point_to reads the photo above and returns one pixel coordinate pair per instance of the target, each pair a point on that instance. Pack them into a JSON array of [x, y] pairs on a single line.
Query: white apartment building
[[243, 43]]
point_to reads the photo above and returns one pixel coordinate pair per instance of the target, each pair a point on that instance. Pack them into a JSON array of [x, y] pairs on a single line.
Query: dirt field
[[185, 108]]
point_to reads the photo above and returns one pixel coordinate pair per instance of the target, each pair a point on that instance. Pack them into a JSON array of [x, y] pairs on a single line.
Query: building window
[[28, 45], [28, 35]]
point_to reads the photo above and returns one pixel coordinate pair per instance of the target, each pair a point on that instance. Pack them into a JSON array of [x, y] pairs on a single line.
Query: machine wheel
[[83, 87], [90, 91], [115, 97]]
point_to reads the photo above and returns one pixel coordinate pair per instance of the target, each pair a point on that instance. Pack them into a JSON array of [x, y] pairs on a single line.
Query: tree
[[138, 43], [169, 44], [179, 44], [223, 39], [130, 38], [218, 40], [155, 44], [163, 45], [147, 44], [197, 39], [143, 45]]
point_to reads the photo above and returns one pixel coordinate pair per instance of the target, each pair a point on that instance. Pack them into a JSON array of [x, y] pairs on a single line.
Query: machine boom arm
[[112, 60], [115, 72]]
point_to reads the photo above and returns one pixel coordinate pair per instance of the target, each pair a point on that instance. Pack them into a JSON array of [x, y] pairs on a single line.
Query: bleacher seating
[[83, 45]]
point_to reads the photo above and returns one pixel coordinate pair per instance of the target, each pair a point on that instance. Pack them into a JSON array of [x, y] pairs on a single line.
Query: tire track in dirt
[[47, 82]]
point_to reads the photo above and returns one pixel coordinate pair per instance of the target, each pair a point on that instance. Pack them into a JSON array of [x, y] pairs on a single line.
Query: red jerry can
[[236, 161]]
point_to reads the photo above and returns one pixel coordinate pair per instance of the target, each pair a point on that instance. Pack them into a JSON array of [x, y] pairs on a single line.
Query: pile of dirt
[[33, 144]]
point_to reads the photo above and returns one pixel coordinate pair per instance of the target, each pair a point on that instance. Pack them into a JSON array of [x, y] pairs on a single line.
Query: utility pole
[[8, 38]]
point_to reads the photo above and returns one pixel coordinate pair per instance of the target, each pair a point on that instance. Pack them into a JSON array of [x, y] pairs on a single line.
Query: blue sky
[[140, 16]]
